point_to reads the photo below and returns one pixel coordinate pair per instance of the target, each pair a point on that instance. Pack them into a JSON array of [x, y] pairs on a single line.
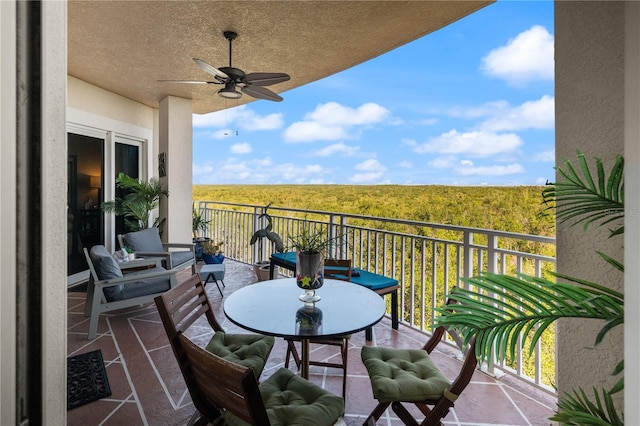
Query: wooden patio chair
[[228, 393], [181, 307], [338, 269], [401, 376]]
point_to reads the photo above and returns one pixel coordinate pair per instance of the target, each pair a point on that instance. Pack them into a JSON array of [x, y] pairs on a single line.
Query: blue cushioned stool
[[213, 272]]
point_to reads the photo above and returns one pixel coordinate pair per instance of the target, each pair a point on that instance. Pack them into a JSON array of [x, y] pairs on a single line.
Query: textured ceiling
[[126, 46]]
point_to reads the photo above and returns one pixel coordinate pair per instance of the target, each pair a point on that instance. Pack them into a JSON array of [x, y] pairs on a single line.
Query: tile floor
[[148, 389]]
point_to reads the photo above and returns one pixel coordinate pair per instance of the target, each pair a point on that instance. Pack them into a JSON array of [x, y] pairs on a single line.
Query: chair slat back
[[339, 269], [224, 384], [183, 305]]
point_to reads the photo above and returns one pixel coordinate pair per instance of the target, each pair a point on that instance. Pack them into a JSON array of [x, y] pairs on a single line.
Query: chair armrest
[[179, 245], [164, 254], [133, 278], [138, 263]]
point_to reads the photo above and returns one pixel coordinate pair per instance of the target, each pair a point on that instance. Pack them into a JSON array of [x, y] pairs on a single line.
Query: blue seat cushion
[[143, 287], [180, 257], [291, 400], [146, 240], [403, 374], [105, 265]]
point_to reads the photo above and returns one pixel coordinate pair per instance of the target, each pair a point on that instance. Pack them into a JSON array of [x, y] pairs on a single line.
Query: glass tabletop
[[273, 308]]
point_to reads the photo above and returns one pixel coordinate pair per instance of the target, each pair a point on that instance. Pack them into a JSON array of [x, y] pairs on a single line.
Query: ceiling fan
[[251, 84]]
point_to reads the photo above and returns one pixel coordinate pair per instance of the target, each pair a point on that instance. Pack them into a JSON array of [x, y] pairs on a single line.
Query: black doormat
[[86, 379]]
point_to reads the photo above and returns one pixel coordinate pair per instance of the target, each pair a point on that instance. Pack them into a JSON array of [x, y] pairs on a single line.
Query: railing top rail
[[502, 234]]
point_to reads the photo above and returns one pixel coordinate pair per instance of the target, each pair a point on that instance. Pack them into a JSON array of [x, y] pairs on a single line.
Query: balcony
[[427, 260], [148, 389]]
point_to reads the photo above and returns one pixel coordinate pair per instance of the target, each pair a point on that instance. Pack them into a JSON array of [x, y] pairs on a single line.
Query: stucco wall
[[176, 143], [589, 54], [92, 99]]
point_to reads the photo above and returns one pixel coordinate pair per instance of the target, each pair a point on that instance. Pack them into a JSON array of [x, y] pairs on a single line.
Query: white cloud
[[442, 162], [241, 148], [201, 170], [405, 164], [538, 114], [370, 165], [527, 57], [308, 131], [428, 121], [332, 121], [337, 148], [490, 170], [371, 170], [471, 143], [546, 156], [220, 134], [370, 177], [241, 117]]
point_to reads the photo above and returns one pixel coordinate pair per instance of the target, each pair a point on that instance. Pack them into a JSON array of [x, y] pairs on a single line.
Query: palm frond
[[577, 409], [498, 309], [577, 197]]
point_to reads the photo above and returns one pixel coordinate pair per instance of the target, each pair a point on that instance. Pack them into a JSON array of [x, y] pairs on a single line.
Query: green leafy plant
[[136, 206], [267, 232], [198, 223], [501, 308], [212, 248], [309, 241]]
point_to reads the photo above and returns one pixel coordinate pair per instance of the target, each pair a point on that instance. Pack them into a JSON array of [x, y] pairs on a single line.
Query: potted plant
[[310, 246], [199, 224], [141, 198], [212, 252], [582, 199], [261, 267]]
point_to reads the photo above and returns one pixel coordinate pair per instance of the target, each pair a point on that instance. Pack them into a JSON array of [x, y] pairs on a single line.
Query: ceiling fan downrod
[[230, 35]]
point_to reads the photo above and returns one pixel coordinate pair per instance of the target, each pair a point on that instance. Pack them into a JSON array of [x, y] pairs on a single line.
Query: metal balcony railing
[[427, 260]]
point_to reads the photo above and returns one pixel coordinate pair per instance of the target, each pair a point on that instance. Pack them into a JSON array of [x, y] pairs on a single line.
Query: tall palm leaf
[[580, 199], [501, 308]]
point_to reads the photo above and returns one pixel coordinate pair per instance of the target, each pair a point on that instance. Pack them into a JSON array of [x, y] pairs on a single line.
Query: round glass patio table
[[273, 308]]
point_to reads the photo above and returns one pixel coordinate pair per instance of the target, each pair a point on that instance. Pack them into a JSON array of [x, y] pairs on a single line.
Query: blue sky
[[471, 104]]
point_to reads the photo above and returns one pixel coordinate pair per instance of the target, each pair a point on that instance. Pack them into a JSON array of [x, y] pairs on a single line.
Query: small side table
[[213, 272]]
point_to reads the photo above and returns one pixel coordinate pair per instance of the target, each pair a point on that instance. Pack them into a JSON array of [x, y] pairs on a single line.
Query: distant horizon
[[471, 104]]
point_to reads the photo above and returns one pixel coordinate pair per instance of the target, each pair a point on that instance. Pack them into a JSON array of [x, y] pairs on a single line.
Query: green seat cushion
[[291, 400], [248, 350], [403, 374]]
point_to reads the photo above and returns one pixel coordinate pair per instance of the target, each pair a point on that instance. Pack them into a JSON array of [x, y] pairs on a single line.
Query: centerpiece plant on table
[[310, 246]]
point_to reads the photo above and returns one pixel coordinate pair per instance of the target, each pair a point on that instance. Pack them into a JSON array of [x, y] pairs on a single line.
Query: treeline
[[513, 209]]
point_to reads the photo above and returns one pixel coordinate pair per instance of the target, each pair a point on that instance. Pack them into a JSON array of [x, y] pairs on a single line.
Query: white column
[[7, 212], [632, 222], [54, 218], [175, 142], [590, 97]]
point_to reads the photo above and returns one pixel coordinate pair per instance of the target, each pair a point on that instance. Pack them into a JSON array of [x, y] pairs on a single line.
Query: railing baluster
[[462, 254]]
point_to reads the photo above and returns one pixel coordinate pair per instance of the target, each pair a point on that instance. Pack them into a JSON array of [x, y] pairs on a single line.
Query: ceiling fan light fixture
[[229, 91]]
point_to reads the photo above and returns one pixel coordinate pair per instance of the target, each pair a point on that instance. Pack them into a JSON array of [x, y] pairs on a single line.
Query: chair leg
[[403, 414], [291, 350], [345, 357], [95, 313], [375, 414]]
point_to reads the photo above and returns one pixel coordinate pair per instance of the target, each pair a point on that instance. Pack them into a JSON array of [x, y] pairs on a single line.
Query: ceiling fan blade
[[211, 70], [189, 81], [266, 78], [261, 93]]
